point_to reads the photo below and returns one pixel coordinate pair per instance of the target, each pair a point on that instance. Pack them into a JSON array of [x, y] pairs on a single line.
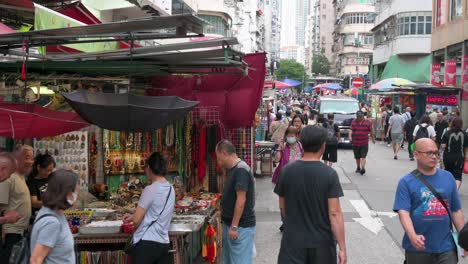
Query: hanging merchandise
[[170, 135], [70, 151], [180, 149], [209, 246], [202, 156]]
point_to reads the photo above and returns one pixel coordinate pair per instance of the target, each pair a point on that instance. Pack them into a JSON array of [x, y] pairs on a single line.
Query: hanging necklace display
[[188, 148], [180, 146], [154, 140], [130, 141], [160, 138], [170, 135], [137, 137]]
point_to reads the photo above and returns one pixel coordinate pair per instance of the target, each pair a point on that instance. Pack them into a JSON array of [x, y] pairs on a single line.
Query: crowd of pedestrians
[[426, 199]]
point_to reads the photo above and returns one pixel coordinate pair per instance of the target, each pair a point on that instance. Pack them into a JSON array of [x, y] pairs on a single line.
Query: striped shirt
[[361, 131]]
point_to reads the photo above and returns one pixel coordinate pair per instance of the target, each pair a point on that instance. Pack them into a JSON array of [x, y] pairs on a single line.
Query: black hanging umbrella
[[127, 112]]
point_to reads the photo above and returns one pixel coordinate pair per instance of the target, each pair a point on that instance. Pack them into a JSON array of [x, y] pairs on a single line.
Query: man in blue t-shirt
[[425, 221]]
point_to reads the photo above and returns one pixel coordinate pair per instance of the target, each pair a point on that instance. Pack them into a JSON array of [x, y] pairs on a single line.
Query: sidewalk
[[368, 242]]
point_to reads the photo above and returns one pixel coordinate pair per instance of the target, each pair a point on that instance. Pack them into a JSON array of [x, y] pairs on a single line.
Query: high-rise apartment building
[[402, 40], [322, 27], [353, 38], [294, 24]]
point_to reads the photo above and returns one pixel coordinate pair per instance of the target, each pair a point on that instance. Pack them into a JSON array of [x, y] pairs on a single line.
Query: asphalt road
[[373, 232]]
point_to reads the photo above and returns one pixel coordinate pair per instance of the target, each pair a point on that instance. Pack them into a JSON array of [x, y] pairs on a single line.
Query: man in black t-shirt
[[309, 192], [238, 202]]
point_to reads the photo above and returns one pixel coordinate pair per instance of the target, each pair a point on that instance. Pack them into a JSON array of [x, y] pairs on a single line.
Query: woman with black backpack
[[424, 129], [455, 147]]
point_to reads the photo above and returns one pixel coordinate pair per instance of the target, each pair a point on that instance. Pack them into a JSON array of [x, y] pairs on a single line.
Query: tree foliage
[[320, 64], [291, 69]]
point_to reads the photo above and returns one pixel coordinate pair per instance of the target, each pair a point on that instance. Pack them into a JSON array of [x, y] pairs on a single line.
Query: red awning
[[4, 29], [236, 96], [22, 121], [278, 85]]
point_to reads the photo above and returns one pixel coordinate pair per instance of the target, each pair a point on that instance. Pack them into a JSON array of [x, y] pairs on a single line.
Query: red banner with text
[[464, 78], [450, 77], [435, 73]]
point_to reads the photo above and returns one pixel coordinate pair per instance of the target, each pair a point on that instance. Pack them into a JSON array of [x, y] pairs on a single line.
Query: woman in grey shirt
[[51, 238], [153, 215]]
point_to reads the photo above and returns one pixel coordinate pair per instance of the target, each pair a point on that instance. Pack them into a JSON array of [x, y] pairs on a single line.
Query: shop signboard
[[464, 77], [451, 100], [45, 18], [435, 73], [450, 77], [441, 6]]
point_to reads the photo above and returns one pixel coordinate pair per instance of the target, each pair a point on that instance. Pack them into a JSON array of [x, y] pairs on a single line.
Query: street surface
[[373, 231]]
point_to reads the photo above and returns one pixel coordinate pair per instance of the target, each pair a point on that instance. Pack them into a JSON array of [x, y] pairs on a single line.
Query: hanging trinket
[[170, 135], [137, 137]]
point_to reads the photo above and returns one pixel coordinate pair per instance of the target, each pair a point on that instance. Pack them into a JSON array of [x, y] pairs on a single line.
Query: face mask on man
[[291, 140], [75, 197]]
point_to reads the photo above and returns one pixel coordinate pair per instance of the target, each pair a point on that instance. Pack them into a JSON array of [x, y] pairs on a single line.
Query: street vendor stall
[[196, 87]]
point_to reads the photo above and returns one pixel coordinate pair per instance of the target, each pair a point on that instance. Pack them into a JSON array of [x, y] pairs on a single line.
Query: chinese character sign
[[435, 73], [450, 77]]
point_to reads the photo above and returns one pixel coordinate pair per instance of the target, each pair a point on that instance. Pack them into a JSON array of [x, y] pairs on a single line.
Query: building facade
[[352, 37], [322, 28], [449, 46], [294, 25], [402, 40]]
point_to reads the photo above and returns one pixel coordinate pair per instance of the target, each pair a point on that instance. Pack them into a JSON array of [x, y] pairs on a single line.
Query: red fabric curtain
[[237, 96]]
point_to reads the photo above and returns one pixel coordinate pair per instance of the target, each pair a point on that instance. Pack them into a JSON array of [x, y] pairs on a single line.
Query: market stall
[[201, 82]]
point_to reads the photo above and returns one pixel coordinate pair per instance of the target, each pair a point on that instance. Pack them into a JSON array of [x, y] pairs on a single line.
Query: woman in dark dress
[[44, 165]]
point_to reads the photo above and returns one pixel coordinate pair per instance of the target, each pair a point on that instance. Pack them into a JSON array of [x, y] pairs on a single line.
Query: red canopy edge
[[23, 121], [236, 96]]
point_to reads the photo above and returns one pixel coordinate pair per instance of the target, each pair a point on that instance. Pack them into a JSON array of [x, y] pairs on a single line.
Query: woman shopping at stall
[[51, 238], [289, 151], [44, 165], [153, 215]]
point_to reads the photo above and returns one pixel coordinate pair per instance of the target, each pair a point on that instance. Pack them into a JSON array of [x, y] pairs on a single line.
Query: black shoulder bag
[[130, 245], [21, 252], [439, 197]]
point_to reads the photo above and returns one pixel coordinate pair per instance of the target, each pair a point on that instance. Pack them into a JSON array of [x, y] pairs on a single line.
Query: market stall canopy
[[331, 86], [308, 89], [27, 121], [4, 29], [419, 88], [128, 112], [414, 68], [170, 58], [291, 83], [276, 84], [74, 14], [391, 83], [352, 91], [132, 29]]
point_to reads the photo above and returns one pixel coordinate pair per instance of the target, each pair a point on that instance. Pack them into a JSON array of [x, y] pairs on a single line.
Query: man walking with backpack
[[455, 148], [330, 155], [427, 203], [409, 128]]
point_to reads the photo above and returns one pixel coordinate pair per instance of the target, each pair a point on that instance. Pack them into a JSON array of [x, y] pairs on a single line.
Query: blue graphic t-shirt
[[429, 216]]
